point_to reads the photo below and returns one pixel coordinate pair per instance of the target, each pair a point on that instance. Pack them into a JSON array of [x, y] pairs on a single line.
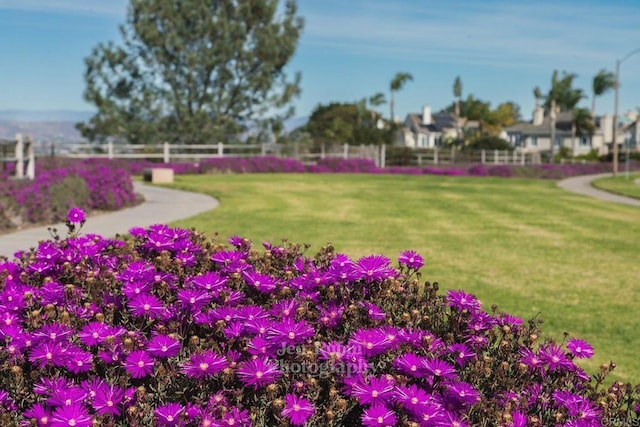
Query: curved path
[[161, 206], [582, 185]]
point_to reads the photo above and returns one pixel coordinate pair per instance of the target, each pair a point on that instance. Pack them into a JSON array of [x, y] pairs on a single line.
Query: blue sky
[[501, 49]]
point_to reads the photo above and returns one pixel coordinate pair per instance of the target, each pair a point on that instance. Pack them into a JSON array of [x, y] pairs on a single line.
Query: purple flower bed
[[269, 164], [92, 184], [170, 329]]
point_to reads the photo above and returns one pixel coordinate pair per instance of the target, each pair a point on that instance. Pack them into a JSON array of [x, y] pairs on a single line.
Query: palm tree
[[563, 93], [398, 83], [457, 93], [537, 93], [581, 124], [376, 100], [602, 82]]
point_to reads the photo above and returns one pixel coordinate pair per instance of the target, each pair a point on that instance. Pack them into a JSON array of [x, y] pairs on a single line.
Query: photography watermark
[[322, 367]]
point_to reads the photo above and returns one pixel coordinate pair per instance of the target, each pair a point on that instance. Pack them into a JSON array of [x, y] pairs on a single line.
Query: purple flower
[[579, 348], [410, 364], [289, 332], [371, 390], [555, 357], [439, 368], [76, 216], [204, 365], [297, 409], [373, 311], [379, 415], [138, 364], [259, 372], [462, 393], [163, 346], [147, 305], [461, 353], [411, 259], [72, 416], [462, 301], [93, 333], [108, 400], [40, 414], [169, 414], [374, 267]]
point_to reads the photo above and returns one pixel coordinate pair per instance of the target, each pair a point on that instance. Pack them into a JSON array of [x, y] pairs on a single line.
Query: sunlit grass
[[621, 184], [525, 245]]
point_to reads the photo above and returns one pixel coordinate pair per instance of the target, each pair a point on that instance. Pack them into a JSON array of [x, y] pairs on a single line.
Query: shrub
[[167, 328]]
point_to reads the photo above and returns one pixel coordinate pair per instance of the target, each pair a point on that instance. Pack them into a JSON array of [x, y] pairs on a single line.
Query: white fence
[[19, 151], [448, 156]]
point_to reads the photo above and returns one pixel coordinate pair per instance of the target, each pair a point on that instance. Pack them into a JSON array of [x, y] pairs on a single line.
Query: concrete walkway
[[582, 185], [161, 206]]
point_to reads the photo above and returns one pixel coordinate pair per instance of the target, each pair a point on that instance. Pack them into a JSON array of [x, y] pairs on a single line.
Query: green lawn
[[620, 185], [525, 245]]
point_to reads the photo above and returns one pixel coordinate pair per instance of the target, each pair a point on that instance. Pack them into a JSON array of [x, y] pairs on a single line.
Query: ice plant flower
[[297, 409], [411, 259], [76, 216], [579, 348], [72, 416], [169, 414], [204, 365], [378, 415], [163, 346], [138, 364], [259, 372]]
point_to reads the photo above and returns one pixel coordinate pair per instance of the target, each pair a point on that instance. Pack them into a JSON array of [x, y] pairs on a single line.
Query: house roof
[[564, 121], [439, 122]]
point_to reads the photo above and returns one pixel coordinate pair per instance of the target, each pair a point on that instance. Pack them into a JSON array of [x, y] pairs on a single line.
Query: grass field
[[620, 185], [525, 245]]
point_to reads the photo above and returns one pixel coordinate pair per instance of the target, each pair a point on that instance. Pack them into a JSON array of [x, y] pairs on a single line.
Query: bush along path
[[167, 328]]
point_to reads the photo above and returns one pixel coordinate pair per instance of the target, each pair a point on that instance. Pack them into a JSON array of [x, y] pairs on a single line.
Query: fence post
[[453, 155], [31, 159], [495, 156], [165, 152], [419, 159], [322, 151], [263, 149], [383, 156], [435, 156], [345, 151], [522, 159], [110, 150], [19, 156], [483, 156], [220, 149]]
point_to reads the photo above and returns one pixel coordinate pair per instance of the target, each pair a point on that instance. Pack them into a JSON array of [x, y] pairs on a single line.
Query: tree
[[602, 82], [193, 71], [537, 94], [341, 123], [581, 125], [563, 93], [397, 83], [457, 93], [376, 100]]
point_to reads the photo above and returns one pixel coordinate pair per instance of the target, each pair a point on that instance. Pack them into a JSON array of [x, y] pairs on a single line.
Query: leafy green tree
[[563, 93], [603, 82], [193, 71], [457, 93], [397, 83], [343, 123]]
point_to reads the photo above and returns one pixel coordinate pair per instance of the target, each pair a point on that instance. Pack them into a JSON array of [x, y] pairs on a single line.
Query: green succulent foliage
[[193, 71]]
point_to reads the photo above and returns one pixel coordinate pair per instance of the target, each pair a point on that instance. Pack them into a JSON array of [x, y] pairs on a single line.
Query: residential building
[[428, 130], [632, 135], [535, 136]]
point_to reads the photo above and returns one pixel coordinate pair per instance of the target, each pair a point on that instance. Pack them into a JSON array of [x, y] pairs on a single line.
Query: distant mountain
[[45, 115], [59, 125]]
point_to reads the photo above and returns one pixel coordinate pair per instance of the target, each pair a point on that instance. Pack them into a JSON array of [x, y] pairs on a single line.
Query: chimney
[[426, 115], [538, 116]]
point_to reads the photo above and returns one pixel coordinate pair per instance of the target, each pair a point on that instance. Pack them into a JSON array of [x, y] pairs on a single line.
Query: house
[[429, 130], [535, 136], [632, 135]]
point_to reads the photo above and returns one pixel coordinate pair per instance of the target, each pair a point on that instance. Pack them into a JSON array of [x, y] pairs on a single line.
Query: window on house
[[558, 142], [533, 141], [585, 141]]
